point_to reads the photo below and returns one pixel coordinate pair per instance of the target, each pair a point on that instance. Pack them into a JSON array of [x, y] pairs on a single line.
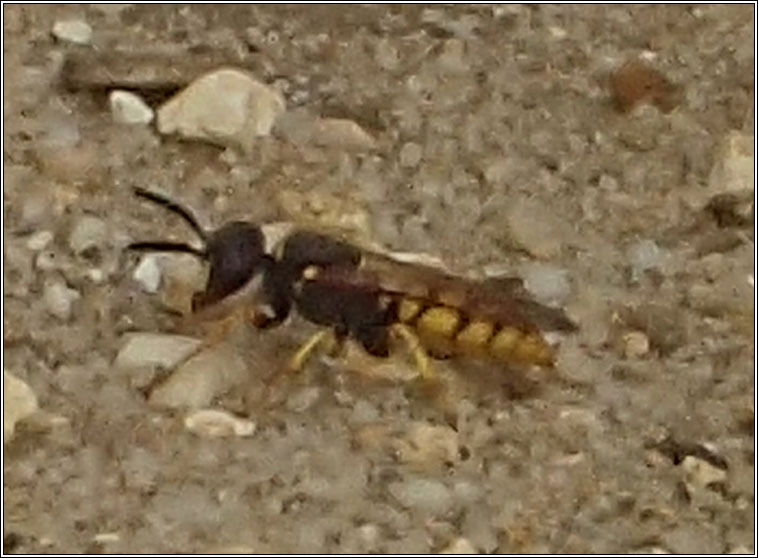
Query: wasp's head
[[235, 252]]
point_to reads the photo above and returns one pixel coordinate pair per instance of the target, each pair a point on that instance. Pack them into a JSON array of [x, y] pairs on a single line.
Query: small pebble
[[47, 260], [453, 56], [129, 108], [59, 299], [182, 275], [202, 378], [148, 273], [691, 538], [410, 155], [645, 255], [39, 240], [369, 533], [426, 495], [460, 546], [228, 107], [636, 344], [155, 349], [700, 473], [734, 167], [635, 82], [75, 31], [386, 55], [212, 423], [19, 402], [426, 444], [364, 411], [96, 275], [303, 399], [557, 32], [106, 538], [36, 208], [343, 133], [548, 283], [61, 133], [531, 228], [230, 549], [88, 233]]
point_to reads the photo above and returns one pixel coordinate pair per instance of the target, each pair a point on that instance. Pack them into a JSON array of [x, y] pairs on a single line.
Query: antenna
[[160, 246], [174, 208]]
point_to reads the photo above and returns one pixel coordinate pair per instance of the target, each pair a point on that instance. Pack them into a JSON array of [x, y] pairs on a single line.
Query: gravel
[[511, 138], [228, 107], [128, 108], [19, 401], [73, 30]]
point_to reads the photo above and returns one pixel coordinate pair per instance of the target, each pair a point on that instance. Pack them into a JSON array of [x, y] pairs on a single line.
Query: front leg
[[327, 340]]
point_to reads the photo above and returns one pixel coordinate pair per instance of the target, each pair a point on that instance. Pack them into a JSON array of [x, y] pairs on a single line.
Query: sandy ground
[[497, 146]]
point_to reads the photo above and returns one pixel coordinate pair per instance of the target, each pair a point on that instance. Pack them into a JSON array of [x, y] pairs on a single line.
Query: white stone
[[19, 402], [557, 32], [47, 260], [427, 444], [61, 133], [39, 240], [59, 299], [181, 276], [88, 232], [213, 423], [636, 344], [453, 56], [369, 533], [303, 399], [364, 411], [106, 538], [228, 107], [460, 546], [96, 275], [202, 378], [73, 30], [645, 255], [531, 228], [429, 496], [700, 473], [129, 108], [410, 155], [155, 349], [148, 273], [111, 10], [343, 133], [548, 283], [386, 55], [734, 168]]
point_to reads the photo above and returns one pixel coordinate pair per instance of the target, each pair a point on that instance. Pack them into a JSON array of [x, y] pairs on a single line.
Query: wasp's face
[[235, 255]]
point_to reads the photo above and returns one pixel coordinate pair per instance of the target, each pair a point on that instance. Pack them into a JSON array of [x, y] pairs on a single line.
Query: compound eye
[[235, 255]]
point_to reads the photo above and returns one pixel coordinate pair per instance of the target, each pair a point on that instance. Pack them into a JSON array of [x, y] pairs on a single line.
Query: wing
[[503, 301]]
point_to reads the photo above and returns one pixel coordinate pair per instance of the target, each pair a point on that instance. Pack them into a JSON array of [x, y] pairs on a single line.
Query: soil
[[504, 140]]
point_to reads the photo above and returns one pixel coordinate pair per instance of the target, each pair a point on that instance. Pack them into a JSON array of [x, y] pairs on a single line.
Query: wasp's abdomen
[[448, 331]]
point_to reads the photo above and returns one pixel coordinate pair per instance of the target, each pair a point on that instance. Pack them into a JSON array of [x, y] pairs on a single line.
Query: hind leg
[[413, 343]]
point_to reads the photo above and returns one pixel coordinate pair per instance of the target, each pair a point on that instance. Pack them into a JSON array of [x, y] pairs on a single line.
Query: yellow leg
[[324, 337], [416, 348]]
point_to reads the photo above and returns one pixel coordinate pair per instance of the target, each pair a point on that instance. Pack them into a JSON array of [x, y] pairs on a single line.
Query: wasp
[[364, 295]]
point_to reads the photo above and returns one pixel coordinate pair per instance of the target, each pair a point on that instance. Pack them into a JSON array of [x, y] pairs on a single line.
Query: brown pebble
[[635, 83]]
